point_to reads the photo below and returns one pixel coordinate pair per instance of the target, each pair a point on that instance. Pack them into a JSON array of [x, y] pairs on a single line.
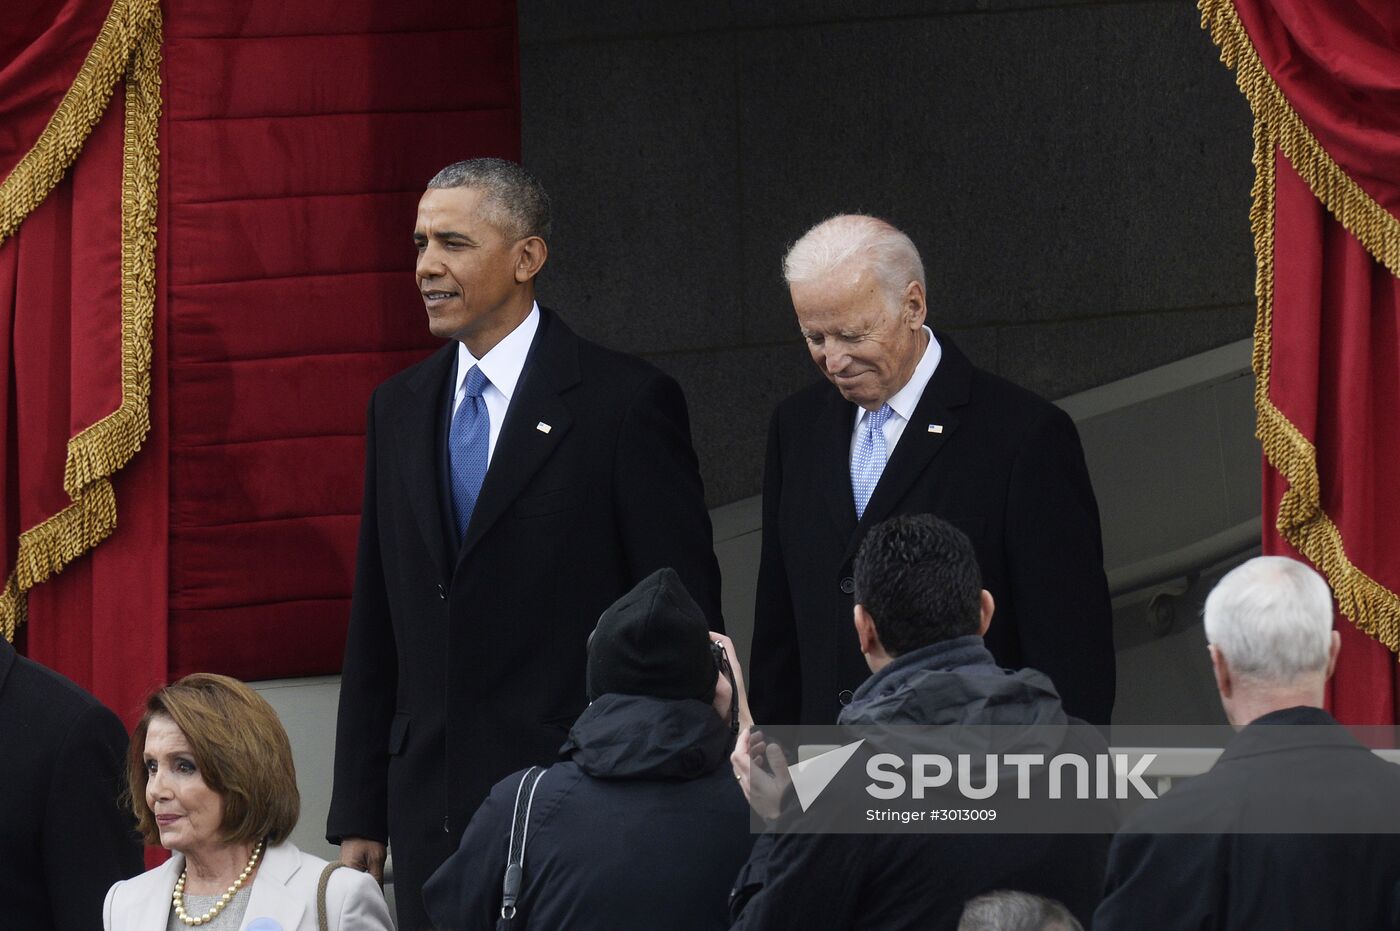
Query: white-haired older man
[[1207, 854], [904, 424]]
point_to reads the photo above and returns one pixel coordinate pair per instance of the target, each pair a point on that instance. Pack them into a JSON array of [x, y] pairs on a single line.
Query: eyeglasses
[[722, 664]]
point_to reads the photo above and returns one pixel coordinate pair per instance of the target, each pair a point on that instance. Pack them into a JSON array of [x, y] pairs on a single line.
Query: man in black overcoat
[[65, 836], [516, 483], [905, 424], [1297, 826]]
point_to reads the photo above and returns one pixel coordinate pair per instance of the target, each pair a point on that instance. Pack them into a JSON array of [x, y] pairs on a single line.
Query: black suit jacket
[[1195, 858], [464, 664], [64, 836], [995, 460]]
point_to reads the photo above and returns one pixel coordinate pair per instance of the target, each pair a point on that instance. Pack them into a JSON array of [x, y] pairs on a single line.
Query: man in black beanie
[[641, 824], [654, 641]]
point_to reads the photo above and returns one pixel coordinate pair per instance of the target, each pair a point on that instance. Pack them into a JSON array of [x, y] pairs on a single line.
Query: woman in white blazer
[[210, 777]]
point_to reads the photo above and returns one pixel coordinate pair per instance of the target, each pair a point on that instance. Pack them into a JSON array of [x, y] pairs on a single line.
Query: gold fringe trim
[[49, 546], [14, 610], [131, 36], [44, 165], [1373, 608], [1374, 226], [106, 446]]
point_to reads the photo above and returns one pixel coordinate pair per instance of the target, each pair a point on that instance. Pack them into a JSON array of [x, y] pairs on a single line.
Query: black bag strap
[[515, 856]]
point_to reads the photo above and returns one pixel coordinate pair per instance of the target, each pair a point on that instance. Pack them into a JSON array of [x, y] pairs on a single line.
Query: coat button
[[848, 585], [845, 696], [442, 591]]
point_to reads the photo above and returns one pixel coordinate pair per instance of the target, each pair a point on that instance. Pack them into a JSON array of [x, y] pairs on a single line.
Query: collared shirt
[[903, 401], [502, 367]]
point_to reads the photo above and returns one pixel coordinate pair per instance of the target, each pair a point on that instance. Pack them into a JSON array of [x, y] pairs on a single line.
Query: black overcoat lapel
[[924, 437], [830, 449], [536, 423], [415, 429], [7, 660]]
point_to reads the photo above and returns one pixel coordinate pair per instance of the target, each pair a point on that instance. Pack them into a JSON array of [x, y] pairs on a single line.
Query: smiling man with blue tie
[[904, 424], [516, 483]]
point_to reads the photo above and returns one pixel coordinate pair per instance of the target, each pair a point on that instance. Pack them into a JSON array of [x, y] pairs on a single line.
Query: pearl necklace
[[178, 898]]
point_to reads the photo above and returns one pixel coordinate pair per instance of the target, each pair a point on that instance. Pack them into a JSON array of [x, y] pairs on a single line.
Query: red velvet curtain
[[295, 140], [299, 138], [61, 292], [1324, 82]]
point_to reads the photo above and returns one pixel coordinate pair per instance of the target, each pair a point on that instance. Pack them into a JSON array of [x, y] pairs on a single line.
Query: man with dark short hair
[[903, 423], [920, 618], [1250, 844], [516, 483]]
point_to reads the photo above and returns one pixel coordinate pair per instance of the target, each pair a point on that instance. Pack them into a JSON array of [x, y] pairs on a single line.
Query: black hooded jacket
[[642, 826], [920, 881]]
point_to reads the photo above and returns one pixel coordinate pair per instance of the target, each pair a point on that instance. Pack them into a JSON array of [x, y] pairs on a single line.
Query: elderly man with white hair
[[1209, 853], [903, 423]]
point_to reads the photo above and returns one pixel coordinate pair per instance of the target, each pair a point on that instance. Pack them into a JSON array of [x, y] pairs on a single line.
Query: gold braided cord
[[98, 451], [82, 106], [1373, 608], [1375, 227]]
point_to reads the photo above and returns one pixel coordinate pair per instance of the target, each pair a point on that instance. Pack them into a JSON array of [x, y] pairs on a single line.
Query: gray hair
[[1272, 618], [849, 238], [516, 202], [1005, 910]]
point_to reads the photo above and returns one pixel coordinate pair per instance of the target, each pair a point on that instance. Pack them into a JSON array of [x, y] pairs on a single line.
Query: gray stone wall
[[1076, 175]]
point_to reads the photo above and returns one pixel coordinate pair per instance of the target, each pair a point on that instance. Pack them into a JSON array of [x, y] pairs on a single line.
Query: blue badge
[[263, 924]]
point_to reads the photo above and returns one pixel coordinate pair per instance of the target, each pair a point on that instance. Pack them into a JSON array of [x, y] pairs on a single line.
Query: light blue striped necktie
[[468, 445], [868, 460]]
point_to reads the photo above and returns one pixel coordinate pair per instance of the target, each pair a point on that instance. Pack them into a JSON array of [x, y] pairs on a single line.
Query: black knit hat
[[655, 641]]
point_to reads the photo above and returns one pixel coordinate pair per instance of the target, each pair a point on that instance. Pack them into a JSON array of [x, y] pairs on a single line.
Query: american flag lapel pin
[[935, 428], [543, 427]]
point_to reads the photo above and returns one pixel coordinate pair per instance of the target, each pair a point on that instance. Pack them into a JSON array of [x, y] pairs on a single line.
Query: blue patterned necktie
[[868, 461], [468, 445]]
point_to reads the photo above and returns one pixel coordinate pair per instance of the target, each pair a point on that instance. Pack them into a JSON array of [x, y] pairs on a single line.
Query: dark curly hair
[[918, 578]]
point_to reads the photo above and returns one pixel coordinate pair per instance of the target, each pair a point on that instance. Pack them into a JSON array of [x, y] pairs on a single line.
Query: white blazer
[[284, 891]]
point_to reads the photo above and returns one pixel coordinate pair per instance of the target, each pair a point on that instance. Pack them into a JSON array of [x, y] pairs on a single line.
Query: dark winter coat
[[642, 826], [921, 881], [1196, 859]]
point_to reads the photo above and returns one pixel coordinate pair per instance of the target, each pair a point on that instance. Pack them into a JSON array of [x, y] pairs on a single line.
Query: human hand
[[762, 771], [367, 856]]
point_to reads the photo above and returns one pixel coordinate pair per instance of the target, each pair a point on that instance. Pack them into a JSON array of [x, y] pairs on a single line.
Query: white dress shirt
[[903, 401], [502, 366]]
